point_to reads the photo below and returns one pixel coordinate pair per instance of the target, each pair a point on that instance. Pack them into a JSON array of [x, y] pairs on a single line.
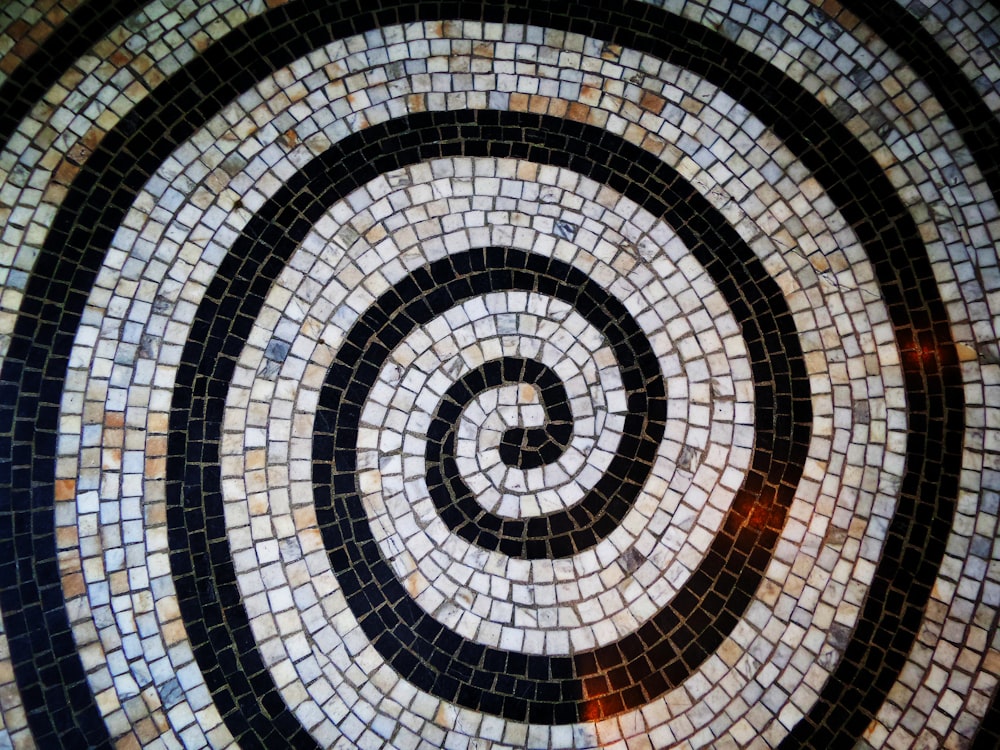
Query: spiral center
[[528, 447]]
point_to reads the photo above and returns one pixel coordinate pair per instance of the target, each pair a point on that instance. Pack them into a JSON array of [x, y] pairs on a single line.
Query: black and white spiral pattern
[[485, 376]]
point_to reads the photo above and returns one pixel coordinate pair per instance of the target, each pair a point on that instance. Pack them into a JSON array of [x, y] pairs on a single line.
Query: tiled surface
[[423, 376]]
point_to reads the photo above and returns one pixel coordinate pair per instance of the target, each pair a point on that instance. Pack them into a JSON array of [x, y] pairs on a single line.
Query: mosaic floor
[[528, 375]]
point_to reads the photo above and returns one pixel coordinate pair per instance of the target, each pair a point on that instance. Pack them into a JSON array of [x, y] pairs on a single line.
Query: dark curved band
[[535, 688], [570, 531], [51, 681], [521, 447]]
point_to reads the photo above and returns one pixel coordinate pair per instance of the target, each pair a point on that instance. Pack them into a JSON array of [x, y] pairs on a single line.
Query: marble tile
[[483, 383]]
